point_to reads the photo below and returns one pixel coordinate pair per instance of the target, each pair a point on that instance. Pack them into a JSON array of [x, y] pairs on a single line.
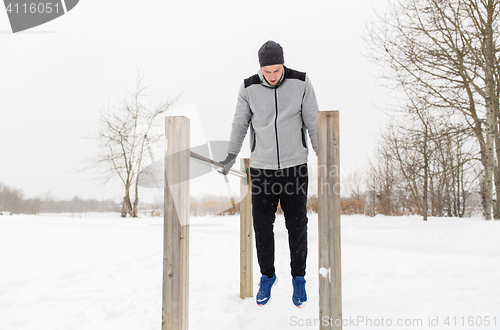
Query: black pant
[[289, 187]]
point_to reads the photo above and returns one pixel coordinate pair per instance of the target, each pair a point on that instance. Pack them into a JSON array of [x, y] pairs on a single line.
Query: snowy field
[[103, 272]]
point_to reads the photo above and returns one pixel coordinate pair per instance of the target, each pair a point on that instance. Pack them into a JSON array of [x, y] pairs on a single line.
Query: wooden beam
[[330, 285], [246, 232], [176, 225]]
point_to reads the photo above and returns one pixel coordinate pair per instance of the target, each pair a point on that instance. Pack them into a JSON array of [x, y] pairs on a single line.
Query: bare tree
[[354, 198], [383, 184], [125, 133], [424, 165], [11, 199], [447, 51], [455, 161]]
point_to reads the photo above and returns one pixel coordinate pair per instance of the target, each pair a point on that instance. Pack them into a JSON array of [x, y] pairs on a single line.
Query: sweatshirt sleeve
[[309, 113], [241, 121]]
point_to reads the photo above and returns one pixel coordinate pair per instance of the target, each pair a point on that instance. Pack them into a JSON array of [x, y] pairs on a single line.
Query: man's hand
[[228, 163]]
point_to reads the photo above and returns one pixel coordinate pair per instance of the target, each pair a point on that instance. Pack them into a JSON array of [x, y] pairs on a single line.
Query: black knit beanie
[[271, 53]]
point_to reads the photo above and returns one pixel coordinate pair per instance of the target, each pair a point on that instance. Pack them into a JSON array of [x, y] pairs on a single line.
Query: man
[[279, 105]]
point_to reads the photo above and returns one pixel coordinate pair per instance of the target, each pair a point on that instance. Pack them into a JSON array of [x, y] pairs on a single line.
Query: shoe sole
[[301, 306], [271, 297]]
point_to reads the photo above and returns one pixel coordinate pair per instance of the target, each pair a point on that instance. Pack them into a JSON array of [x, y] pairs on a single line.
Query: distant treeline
[[12, 200]]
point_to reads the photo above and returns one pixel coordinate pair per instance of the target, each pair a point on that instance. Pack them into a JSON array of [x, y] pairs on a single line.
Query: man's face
[[273, 73]]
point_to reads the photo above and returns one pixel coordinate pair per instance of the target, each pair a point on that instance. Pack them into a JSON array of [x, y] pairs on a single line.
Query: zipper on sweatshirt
[[276, 125]]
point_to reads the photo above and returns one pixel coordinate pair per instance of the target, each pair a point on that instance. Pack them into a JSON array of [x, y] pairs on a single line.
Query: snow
[[104, 272], [325, 273]]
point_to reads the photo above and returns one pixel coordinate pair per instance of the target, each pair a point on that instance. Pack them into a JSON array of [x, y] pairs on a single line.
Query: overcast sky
[[55, 78]]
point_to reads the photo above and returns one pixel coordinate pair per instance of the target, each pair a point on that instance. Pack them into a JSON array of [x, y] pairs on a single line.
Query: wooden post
[[246, 232], [330, 285], [176, 225]]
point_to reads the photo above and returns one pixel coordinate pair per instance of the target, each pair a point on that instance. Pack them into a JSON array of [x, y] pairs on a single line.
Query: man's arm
[[241, 121], [309, 113]]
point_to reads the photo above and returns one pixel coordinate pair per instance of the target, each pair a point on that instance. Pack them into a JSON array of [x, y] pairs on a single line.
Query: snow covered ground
[[104, 272]]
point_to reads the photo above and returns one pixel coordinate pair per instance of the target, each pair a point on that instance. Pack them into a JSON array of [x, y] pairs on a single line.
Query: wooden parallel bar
[[246, 233], [175, 295], [330, 284]]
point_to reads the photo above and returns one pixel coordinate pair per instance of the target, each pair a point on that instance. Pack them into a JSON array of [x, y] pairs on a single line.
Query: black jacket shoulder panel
[[252, 80], [294, 74]]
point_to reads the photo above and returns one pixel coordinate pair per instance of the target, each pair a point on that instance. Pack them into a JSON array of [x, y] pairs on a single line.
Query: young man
[[279, 105]]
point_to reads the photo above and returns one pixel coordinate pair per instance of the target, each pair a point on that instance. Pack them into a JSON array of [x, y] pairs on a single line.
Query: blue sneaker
[[266, 284], [299, 297]]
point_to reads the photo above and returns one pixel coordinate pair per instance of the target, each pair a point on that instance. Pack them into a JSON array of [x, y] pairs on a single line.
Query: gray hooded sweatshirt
[[278, 117]]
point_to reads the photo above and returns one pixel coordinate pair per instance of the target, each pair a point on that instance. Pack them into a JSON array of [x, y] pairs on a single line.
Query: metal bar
[[213, 162]]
